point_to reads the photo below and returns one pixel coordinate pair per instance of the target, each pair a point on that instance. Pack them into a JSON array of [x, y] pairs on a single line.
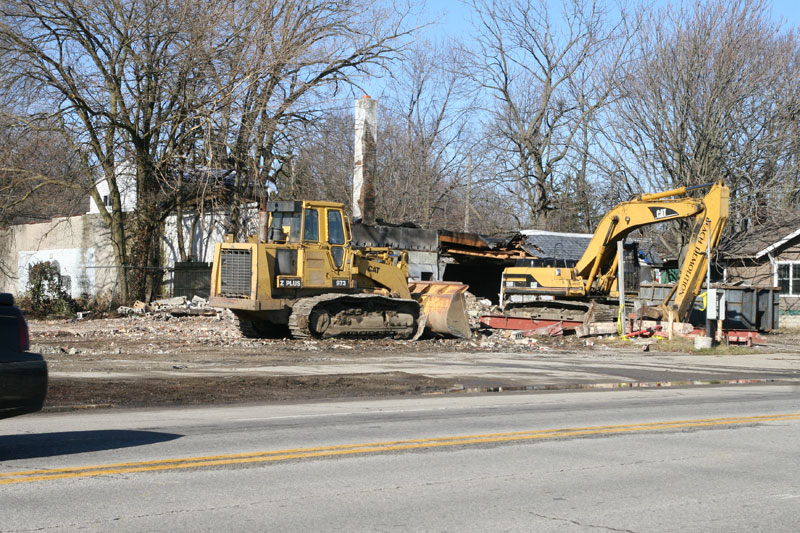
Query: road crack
[[576, 522]]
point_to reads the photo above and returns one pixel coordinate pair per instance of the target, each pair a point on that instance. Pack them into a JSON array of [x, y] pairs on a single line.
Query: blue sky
[[452, 19], [455, 16]]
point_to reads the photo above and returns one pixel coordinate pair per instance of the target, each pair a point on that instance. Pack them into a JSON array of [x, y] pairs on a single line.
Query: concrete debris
[[597, 329], [171, 302], [476, 308], [165, 308], [123, 310]]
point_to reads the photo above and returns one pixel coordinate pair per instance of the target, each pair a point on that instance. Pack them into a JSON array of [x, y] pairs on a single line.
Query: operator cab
[[312, 223], [294, 222], [285, 222]]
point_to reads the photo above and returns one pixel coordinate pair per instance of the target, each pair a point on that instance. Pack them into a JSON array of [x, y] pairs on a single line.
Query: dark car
[[23, 375]]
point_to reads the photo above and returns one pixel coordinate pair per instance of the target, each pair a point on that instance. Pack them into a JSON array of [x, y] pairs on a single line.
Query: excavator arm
[[595, 274], [709, 224], [599, 261]]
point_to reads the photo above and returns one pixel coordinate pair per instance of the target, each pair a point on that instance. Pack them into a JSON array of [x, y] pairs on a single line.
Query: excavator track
[[569, 310], [356, 315]]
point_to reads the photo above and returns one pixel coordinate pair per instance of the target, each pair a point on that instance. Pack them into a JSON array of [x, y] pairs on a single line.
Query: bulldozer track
[[300, 321]]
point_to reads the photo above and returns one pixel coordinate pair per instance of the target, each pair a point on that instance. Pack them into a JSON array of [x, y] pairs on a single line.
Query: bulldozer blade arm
[[444, 306]]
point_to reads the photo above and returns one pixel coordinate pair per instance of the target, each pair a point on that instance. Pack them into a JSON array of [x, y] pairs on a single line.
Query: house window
[[788, 278]]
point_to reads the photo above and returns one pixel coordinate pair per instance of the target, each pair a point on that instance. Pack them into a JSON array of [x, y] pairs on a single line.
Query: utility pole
[[621, 284], [709, 294], [467, 206]]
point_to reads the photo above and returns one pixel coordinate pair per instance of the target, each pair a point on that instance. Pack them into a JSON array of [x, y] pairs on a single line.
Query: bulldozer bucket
[[444, 307]]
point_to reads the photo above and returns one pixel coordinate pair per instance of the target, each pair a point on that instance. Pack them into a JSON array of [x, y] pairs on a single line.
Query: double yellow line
[[374, 447]]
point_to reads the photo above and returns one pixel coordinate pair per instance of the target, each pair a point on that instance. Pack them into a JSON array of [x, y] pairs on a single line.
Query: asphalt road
[[681, 459]]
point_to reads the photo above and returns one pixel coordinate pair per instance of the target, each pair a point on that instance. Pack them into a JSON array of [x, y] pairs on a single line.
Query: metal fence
[[192, 279]]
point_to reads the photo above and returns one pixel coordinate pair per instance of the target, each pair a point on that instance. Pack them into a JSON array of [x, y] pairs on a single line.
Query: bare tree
[[290, 58], [120, 79], [323, 166], [39, 179], [713, 94], [545, 76], [39, 176], [425, 144]]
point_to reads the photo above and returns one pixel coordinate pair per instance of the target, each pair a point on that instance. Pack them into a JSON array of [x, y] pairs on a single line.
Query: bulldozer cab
[[318, 230], [285, 222]]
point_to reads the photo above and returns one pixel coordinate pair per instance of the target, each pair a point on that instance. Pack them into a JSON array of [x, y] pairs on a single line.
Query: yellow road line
[[373, 447]]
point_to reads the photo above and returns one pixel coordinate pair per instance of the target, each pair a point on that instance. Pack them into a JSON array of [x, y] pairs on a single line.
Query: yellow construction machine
[[301, 271], [540, 292]]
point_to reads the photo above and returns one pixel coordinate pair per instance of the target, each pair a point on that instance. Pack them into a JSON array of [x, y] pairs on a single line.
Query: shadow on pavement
[[70, 442]]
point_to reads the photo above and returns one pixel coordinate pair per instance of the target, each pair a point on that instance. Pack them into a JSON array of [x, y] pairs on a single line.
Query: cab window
[[311, 225], [335, 228], [282, 221]]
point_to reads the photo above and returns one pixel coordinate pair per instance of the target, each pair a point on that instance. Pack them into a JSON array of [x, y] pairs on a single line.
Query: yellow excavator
[[541, 292], [302, 272]]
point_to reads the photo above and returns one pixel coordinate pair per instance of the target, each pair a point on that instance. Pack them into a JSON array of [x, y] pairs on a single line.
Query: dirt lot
[[162, 360]]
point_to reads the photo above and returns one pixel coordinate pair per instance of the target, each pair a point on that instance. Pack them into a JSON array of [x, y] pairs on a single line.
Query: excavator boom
[[708, 230], [594, 275]]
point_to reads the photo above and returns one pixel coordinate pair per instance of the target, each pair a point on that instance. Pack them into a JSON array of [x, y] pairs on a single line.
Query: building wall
[[762, 273], [209, 230], [81, 245], [757, 274], [126, 182], [790, 304]]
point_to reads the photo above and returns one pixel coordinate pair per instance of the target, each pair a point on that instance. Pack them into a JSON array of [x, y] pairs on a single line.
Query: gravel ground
[[155, 360], [159, 359]]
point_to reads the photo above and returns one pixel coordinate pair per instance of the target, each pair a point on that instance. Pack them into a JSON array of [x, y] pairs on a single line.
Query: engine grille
[[235, 273]]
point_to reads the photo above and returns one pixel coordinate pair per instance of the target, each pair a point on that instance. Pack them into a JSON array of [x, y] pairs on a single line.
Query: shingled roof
[[571, 246], [555, 245], [765, 239]]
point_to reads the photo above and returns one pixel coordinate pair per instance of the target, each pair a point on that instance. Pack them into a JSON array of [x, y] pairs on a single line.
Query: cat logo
[[663, 212], [373, 269]]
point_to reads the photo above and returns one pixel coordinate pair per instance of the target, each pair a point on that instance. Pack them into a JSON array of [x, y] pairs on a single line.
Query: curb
[[619, 385]]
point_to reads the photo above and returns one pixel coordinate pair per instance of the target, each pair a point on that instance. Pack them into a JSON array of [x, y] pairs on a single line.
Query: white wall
[[126, 182], [209, 231], [77, 265], [81, 245]]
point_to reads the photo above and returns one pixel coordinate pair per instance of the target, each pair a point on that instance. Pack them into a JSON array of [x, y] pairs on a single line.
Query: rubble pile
[[476, 307], [171, 307]]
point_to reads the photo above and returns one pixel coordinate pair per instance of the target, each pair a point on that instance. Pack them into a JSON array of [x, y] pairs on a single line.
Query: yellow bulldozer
[[302, 272]]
